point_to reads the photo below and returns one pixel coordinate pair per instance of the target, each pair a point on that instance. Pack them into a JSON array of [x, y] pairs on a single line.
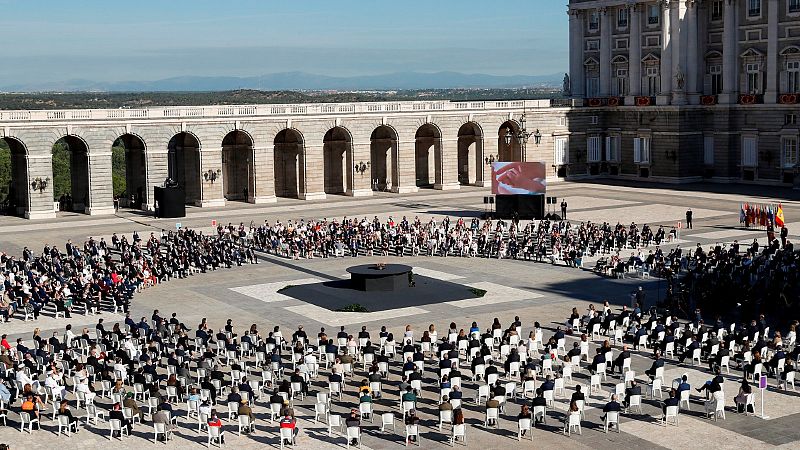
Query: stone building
[[685, 90]]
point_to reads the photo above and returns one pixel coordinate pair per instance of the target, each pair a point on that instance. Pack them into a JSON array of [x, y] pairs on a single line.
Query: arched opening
[[289, 164], [183, 164], [469, 153], [237, 166], [383, 158], [13, 177], [337, 160], [508, 145], [71, 174], [428, 142], [129, 171]]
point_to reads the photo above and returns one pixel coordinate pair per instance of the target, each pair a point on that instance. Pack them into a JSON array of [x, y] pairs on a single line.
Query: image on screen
[[518, 178]]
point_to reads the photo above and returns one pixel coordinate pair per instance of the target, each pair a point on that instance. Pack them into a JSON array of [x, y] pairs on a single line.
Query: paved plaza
[[533, 291]]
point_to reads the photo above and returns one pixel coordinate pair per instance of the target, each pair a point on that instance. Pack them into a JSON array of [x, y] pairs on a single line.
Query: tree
[[118, 168], [5, 169], [62, 176]]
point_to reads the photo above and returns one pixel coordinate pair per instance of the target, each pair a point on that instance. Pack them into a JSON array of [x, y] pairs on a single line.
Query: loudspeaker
[[485, 200]]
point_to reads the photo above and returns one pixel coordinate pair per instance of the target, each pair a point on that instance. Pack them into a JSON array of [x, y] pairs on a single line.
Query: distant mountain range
[[299, 81]]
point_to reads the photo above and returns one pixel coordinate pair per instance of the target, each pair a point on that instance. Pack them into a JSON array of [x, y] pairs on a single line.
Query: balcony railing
[[310, 109]]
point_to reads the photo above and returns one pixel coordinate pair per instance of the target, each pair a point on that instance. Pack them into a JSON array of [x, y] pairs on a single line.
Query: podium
[[171, 202]]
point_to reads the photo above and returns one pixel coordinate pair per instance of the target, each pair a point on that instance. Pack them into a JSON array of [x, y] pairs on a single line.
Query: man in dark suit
[[689, 218], [548, 384], [612, 406], [694, 345], [673, 400], [658, 363], [577, 395], [564, 209], [623, 355], [635, 389], [599, 358]]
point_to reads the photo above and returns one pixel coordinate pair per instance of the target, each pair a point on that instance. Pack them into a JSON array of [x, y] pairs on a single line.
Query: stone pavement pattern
[[533, 291]]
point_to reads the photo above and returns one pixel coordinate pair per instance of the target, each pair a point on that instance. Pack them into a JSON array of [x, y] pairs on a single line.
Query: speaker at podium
[[171, 202]]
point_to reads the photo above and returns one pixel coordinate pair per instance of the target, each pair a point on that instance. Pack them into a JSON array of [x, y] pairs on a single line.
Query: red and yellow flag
[[779, 221]]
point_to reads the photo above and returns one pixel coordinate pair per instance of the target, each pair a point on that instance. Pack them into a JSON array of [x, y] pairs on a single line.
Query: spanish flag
[[779, 221]]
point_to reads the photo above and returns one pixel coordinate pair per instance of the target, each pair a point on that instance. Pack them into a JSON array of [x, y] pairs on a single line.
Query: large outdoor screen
[[518, 178]]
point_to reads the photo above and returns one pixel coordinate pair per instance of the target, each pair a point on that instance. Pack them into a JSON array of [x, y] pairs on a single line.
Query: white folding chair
[[573, 423], [612, 419], [386, 420], [459, 431], [353, 433], [671, 413], [412, 430], [524, 426]]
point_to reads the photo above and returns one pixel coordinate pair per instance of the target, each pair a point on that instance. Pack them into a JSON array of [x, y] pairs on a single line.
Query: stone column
[[211, 193], [406, 167], [101, 185], [40, 204], [576, 71], [263, 189], [312, 177], [730, 55], [692, 44], [361, 185], [771, 94], [679, 43], [490, 147], [666, 55], [635, 53], [447, 164], [605, 53]]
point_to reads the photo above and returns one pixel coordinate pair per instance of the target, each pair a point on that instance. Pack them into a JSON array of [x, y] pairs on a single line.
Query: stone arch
[[428, 155], [14, 195], [135, 170], [337, 157], [508, 147], [384, 158], [470, 153], [289, 163], [71, 174], [183, 164], [237, 166]]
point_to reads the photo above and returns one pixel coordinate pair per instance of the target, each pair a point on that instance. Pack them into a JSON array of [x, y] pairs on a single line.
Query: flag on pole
[[779, 220]]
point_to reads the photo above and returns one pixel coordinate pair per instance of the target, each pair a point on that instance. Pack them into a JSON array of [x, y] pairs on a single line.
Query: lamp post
[[522, 136], [361, 167], [211, 175], [39, 184]]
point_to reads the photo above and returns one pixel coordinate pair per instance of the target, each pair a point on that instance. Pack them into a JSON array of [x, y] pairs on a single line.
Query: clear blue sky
[[110, 40]]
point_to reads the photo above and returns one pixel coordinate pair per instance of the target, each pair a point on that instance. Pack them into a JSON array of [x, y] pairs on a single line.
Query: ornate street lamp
[[361, 167], [212, 175], [490, 159], [39, 184], [522, 135]]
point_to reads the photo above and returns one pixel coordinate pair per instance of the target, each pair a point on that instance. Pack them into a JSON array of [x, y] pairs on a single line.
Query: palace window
[[789, 151], [794, 6], [560, 151], [652, 80], [713, 79], [592, 68], [708, 150], [593, 149], [622, 17], [792, 77], [613, 148], [653, 14], [749, 152], [594, 21], [754, 8], [753, 71], [641, 150], [716, 10]]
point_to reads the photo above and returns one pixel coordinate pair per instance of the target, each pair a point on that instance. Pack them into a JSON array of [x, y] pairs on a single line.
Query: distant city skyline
[[49, 41]]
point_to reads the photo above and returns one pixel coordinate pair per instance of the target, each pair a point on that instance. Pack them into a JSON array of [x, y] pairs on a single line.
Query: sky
[[138, 40]]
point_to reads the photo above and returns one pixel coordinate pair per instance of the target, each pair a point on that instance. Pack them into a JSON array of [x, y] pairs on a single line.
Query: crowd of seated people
[[159, 369], [100, 274], [725, 275], [539, 240]]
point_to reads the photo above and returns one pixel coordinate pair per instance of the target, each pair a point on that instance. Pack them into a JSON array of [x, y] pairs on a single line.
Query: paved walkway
[[533, 291]]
